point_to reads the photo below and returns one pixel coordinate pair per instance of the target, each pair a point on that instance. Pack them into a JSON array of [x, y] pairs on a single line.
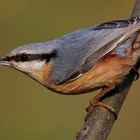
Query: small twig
[[100, 121]]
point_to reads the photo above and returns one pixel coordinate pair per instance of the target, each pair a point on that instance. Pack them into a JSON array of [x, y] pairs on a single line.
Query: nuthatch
[[82, 61]]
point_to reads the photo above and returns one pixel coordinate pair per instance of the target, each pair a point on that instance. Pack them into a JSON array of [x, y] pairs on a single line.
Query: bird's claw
[[92, 106]]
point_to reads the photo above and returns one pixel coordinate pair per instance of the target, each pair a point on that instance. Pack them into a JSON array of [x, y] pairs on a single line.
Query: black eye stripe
[[30, 57]]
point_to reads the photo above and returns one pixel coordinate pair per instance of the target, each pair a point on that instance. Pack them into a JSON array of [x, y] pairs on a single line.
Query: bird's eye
[[23, 57]]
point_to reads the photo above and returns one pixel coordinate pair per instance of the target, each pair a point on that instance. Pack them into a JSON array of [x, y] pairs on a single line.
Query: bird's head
[[31, 59]]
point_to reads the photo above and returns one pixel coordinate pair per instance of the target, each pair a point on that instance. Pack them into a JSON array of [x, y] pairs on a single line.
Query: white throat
[[30, 67]]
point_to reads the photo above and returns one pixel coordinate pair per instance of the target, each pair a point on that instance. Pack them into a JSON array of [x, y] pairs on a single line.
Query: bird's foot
[[98, 103]]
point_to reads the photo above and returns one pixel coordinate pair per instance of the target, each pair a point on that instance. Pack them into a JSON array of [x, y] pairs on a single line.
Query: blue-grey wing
[[80, 50]]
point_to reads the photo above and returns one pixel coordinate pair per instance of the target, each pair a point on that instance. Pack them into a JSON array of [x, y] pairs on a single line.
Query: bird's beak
[[4, 61]]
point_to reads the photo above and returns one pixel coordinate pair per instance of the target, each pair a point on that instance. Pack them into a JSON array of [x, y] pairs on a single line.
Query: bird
[[96, 57]]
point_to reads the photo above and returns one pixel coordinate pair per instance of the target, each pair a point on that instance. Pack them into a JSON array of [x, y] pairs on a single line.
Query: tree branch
[[100, 121]]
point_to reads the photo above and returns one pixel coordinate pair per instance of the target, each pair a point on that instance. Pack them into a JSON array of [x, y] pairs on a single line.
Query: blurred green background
[[28, 111]]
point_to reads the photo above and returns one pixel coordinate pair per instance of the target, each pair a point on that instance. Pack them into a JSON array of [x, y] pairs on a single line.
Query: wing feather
[[117, 23]]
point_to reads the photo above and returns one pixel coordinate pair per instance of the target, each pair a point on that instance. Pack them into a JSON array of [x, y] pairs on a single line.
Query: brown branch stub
[[100, 121]]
